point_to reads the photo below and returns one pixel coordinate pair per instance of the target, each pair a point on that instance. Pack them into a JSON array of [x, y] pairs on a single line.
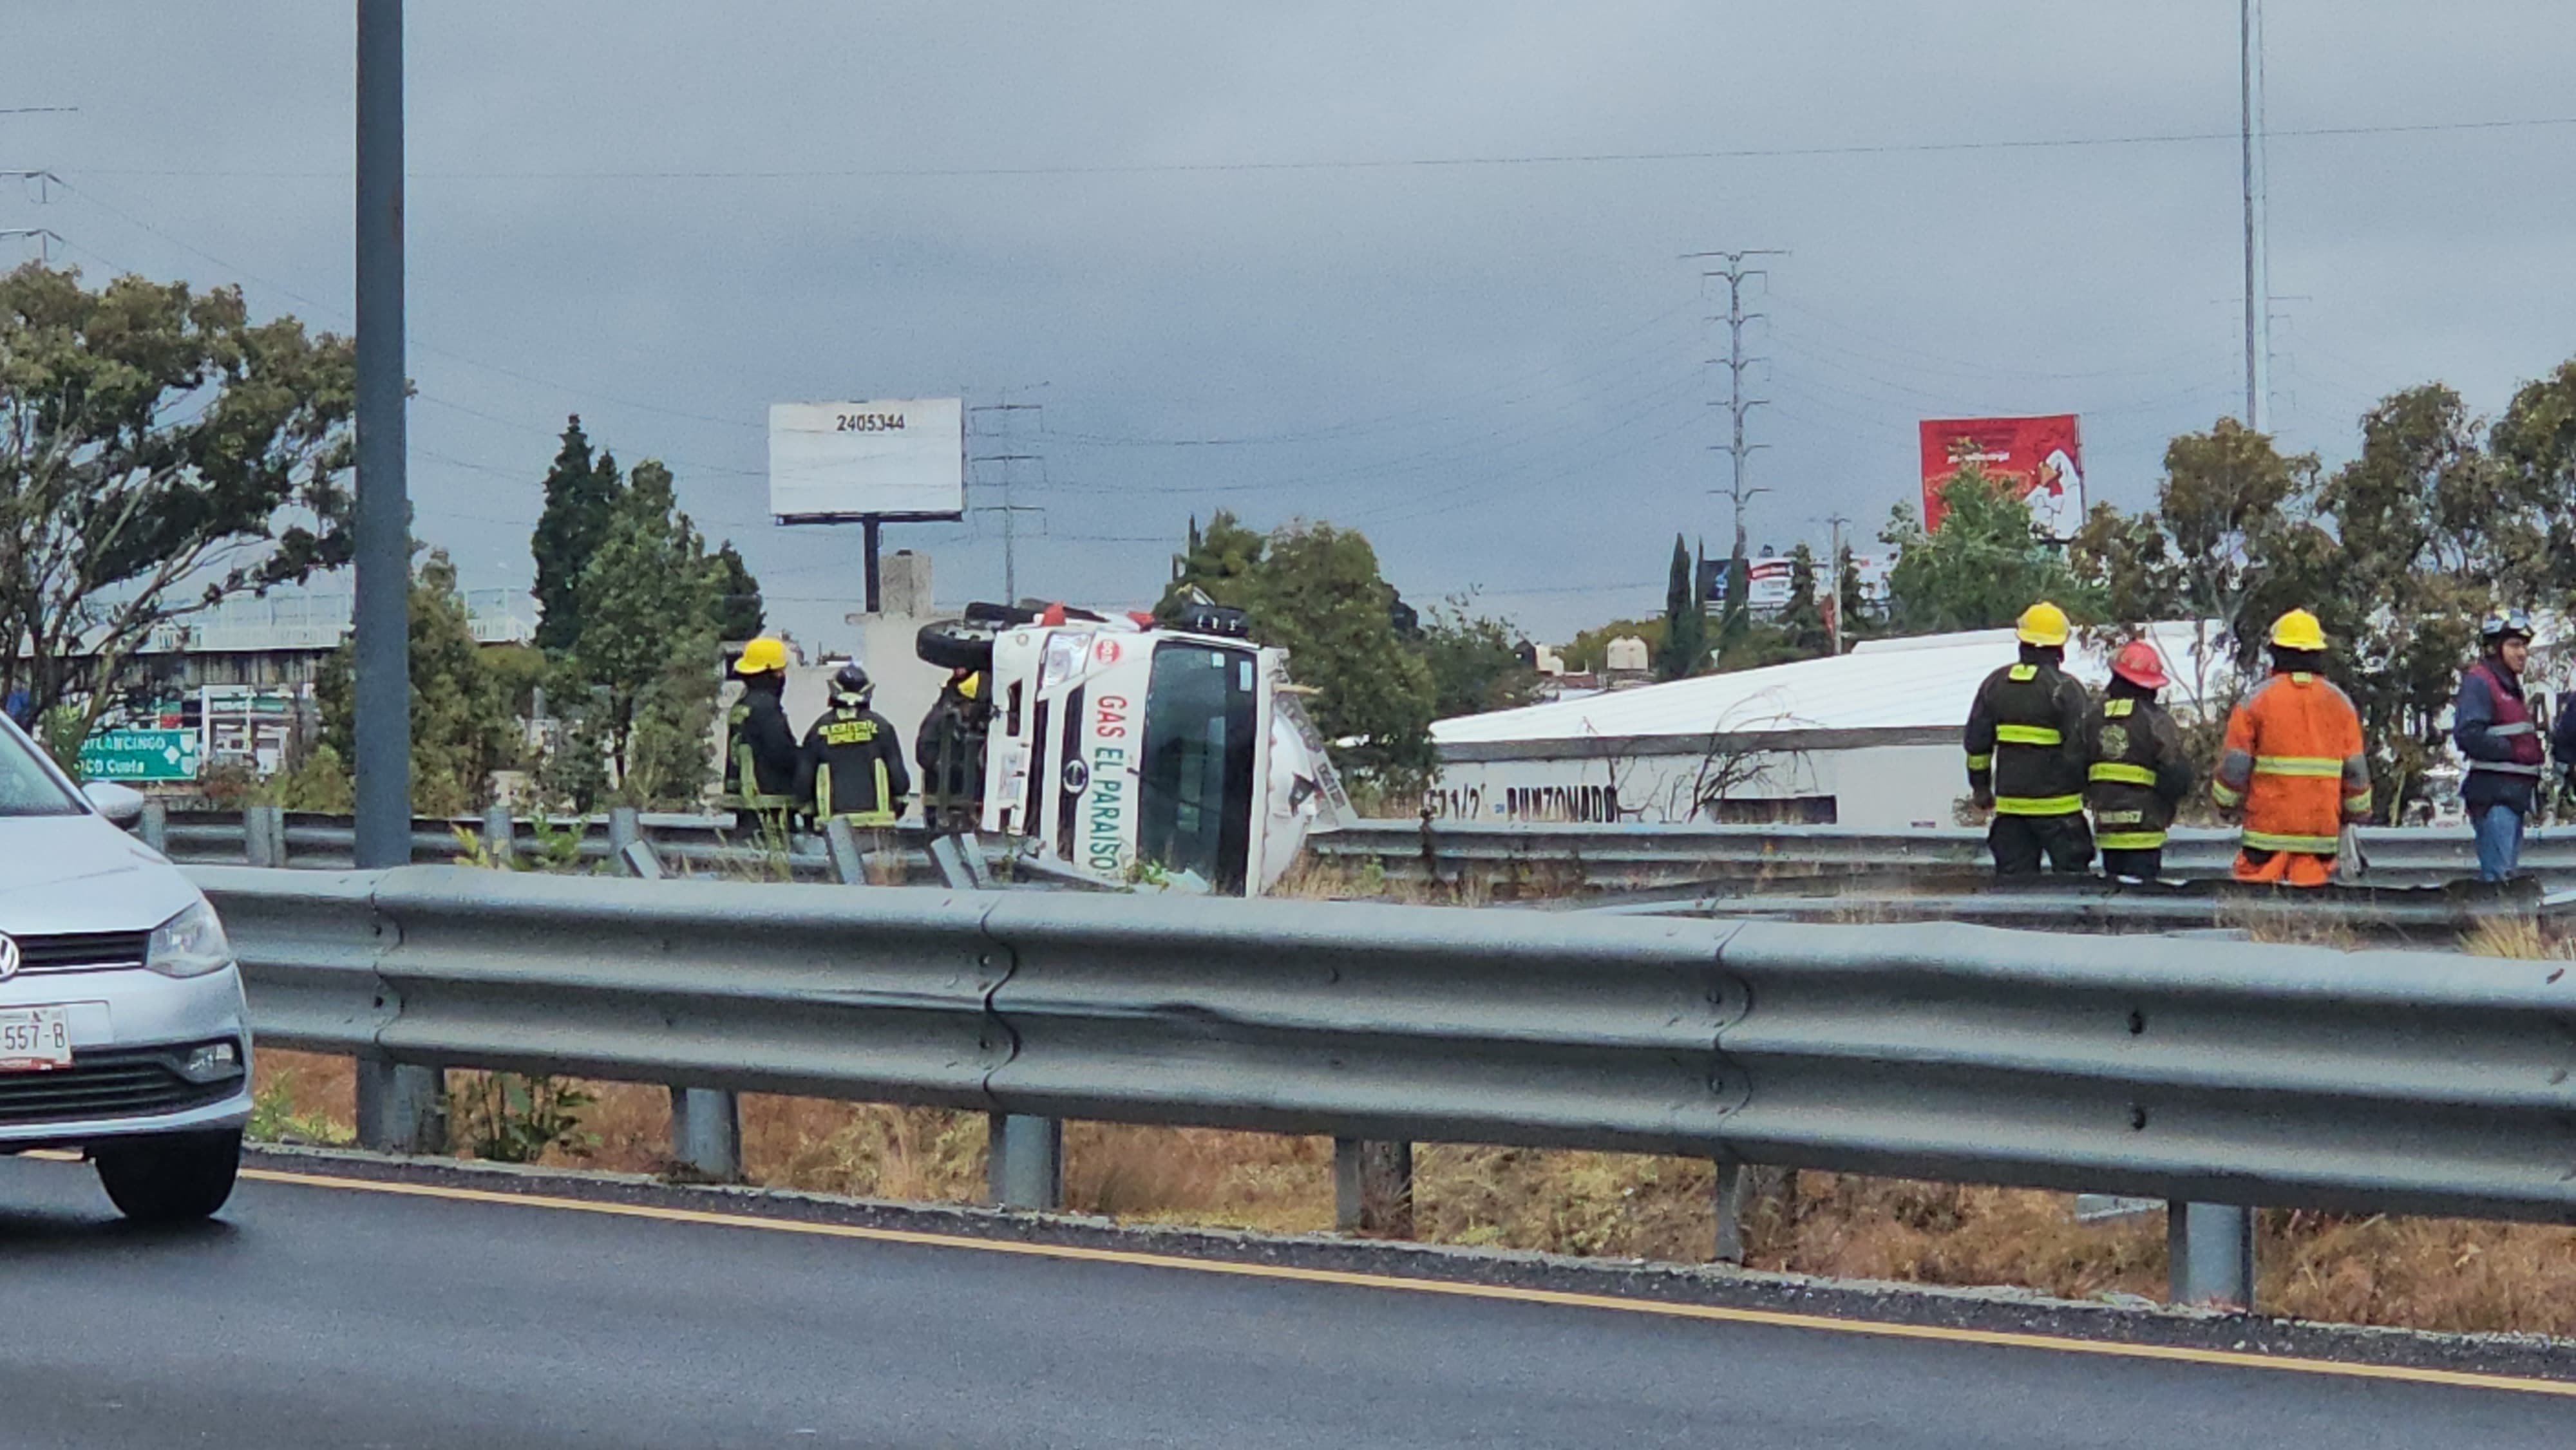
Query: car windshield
[[27, 788]]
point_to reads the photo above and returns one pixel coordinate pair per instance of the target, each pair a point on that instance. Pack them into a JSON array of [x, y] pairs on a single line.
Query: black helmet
[[852, 684]]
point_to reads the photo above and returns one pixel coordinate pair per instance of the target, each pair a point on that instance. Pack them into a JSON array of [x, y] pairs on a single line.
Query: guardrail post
[[706, 1134], [499, 833], [1733, 1183], [2211, 1247], [706, 1123], [626, 843], [1024, 1166], [1373, 1187], [841, 843], [154, 828], [264, 835], [402, 1107]]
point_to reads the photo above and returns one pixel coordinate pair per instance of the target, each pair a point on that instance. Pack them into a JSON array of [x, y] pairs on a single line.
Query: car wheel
[[173, 1179], [955, 646]]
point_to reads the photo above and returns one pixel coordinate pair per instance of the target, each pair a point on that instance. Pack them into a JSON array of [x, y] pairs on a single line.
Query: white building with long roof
[[1870, 739]]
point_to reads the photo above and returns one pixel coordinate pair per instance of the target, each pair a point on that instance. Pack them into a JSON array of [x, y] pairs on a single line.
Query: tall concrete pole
[[383, 530], [2258, 267]]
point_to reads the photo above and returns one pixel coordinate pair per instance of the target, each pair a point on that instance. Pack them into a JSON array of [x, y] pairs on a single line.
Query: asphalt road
[[317, 1316]]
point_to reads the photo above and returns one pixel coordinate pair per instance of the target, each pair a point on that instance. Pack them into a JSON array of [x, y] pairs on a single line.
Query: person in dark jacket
[[2493, 727], [853, 763], [2026, 761], [2138, 771], [761, 758], [950, 750]]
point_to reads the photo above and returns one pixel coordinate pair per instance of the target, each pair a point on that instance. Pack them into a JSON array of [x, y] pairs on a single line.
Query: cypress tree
[[1685, 648], [581, 497]]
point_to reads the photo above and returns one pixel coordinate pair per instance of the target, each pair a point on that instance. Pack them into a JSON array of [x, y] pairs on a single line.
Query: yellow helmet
[[2298, 629], [2042, 624], [762, 656]]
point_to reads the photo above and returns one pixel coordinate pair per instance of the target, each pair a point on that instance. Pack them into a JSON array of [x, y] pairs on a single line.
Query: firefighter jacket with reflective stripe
[[2025, 741], [2136, 773], [2491, 723], [2294, 765], [761, 759], [853, 768]]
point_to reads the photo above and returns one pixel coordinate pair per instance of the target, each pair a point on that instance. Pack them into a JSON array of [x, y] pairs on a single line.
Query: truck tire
[[176, 1178], [955, 645]]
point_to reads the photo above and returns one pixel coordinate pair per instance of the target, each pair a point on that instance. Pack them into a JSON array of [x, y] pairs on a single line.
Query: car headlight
[[190, 944]]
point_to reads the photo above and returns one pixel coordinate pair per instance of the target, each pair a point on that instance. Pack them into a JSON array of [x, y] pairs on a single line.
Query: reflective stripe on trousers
[[2031, 805], [2303, 845]]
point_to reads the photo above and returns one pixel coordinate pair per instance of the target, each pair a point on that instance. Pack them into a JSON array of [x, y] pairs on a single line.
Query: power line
[[1188, 168]]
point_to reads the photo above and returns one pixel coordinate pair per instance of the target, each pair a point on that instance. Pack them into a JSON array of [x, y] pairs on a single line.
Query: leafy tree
[[739, 613], [160, 452], [1317, 593], [462, 725], [1980, 569], [1802, 619], [2535, 443], [2432, 532], [1684, 649], [646, 654], [581, 498], [1220, 563], [1478, 663]]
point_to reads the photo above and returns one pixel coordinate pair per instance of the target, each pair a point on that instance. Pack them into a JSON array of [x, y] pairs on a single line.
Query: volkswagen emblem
[[8, 956], [1077, 777]]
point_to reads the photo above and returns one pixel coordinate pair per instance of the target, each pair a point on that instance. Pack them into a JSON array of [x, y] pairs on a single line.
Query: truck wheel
[[955, 645], [174, 1179]]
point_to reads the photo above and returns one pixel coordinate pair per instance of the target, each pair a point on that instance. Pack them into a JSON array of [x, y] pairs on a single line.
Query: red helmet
[[2140, 665]]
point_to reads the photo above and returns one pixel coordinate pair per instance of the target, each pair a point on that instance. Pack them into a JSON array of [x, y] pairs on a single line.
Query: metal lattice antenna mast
[[1735, 362], [1009, 510]]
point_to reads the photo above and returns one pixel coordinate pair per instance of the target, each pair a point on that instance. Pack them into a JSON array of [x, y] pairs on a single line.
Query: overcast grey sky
[[666, 216]]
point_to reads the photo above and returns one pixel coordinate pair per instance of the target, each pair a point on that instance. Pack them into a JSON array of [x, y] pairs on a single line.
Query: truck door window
[[1197, 787]]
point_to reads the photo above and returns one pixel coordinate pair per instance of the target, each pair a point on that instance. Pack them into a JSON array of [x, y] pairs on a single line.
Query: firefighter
[[2492, 725], [853, 768], [2025, 742], [2293, 770], [761, 758], [2137, 769], [950, 749]]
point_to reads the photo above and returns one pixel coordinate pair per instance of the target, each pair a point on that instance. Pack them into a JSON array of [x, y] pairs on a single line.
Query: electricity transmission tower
[[1737, 405], [1006, 461]]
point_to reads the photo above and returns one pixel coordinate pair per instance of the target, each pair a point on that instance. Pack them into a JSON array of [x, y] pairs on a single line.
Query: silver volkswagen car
[[121, 1015]]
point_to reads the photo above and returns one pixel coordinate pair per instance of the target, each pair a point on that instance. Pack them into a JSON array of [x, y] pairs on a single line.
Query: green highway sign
[[145, 755]]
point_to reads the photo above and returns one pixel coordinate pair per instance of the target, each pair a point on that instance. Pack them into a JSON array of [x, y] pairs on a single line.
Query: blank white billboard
[[899, 459]]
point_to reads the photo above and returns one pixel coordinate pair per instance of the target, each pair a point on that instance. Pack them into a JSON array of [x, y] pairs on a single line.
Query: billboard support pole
[[870, 527]]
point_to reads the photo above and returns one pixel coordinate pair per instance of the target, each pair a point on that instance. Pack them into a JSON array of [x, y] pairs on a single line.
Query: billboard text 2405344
[[2038, 460], [889, 459]]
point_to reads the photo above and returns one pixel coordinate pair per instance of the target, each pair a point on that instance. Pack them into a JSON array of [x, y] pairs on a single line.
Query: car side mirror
[[121, 804]]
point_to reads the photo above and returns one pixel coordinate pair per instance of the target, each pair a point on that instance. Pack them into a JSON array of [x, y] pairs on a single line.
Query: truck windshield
[[1195, 810], [27, 788]]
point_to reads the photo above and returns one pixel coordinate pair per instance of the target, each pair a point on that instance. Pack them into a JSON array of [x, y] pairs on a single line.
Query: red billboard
[[2039, 459]]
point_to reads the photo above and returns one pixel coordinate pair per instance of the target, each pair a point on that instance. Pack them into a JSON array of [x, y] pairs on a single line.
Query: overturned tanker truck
[[1135, 753]]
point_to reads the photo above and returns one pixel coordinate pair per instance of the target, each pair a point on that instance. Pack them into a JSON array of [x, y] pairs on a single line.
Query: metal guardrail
[[1593, 856], [2204, 1070], [1644, 855]]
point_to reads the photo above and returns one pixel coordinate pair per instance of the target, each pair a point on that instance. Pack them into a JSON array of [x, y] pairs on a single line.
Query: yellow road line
[[1767, 1317]]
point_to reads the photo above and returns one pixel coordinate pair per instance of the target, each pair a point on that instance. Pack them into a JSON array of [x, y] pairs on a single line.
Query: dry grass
[[2421, 1273]]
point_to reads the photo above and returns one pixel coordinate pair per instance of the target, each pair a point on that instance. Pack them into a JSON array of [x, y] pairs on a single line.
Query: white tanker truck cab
[[1132, 753]]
